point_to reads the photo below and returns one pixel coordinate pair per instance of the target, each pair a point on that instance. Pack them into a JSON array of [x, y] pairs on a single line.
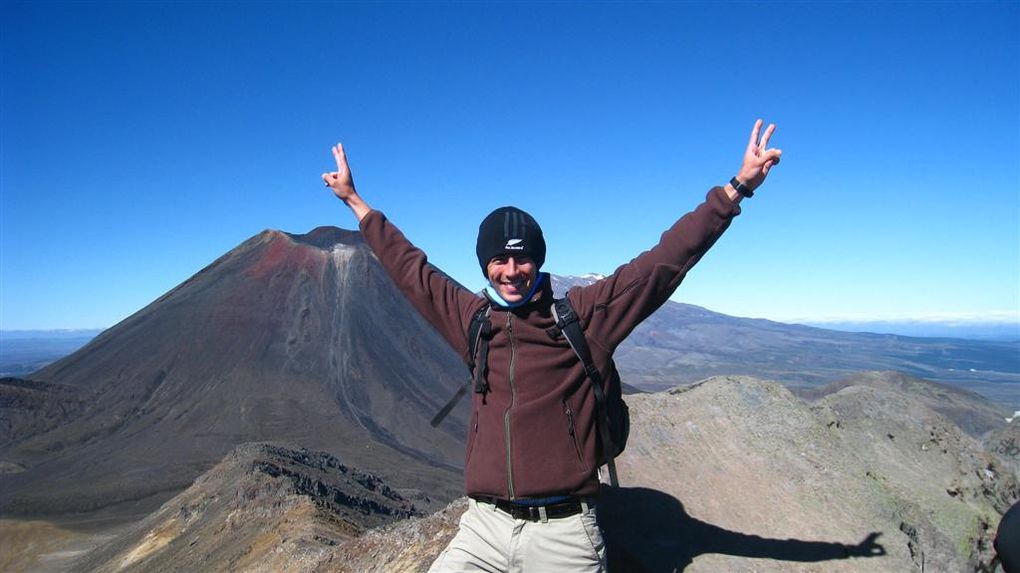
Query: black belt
[[533, 512]]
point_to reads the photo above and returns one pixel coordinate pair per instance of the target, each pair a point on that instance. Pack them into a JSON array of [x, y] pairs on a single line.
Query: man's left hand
[[758, 159]]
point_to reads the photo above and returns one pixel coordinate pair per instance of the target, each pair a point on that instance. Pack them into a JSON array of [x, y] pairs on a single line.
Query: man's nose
[[511, 266]]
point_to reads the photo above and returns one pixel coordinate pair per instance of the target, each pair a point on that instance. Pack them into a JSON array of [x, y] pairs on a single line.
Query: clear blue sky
[[140, 141]]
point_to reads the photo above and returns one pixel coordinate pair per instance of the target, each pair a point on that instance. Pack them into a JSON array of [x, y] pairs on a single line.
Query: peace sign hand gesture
[[757, 158], [340, 181]]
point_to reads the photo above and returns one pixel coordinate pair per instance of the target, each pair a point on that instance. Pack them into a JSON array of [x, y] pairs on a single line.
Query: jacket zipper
[[573, 434], [513, 398]]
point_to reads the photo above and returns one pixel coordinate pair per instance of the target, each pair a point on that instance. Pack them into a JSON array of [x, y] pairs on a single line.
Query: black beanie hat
[[509, 231]]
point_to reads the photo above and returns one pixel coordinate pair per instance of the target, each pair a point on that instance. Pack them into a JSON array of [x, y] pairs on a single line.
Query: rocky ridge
[[730, 474], [749, 459], [265, 507]]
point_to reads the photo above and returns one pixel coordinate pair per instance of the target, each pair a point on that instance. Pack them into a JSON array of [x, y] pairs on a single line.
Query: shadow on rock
[[649, 531]]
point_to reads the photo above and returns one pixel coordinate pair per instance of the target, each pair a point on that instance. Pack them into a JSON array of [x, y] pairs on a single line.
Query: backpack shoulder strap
[[478, 338], [569, 324], [480, 325], [478, 345]]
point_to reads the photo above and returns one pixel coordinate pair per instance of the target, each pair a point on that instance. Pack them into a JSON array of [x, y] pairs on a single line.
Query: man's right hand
[[342, 183]]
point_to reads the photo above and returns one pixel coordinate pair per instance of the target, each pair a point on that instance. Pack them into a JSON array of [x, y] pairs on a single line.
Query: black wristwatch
[[741, 188]]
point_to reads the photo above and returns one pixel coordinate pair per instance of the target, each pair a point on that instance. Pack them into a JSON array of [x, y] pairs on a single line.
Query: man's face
[[512, 276]]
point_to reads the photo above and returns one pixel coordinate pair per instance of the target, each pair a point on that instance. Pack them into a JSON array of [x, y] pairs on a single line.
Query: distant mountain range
[[683, 343], [970, 330]]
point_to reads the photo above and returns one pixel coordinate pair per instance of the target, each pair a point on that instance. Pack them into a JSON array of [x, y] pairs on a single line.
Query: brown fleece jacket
[[533, 434]]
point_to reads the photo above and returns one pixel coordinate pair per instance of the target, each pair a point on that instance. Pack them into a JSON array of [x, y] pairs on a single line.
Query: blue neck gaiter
[[498, 300]]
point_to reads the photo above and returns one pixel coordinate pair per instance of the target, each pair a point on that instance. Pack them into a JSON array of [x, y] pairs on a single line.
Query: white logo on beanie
[[514, 245]]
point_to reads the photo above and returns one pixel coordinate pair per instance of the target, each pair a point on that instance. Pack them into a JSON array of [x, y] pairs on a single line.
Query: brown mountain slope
[[29, 407], [1005, 443], [749, 459], [299, 338]]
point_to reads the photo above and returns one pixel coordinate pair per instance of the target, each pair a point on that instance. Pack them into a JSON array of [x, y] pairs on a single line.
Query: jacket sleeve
[[444, 303], [612, 307]]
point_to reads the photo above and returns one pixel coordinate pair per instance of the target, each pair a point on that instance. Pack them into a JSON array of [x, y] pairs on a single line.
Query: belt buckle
[[534, 513]]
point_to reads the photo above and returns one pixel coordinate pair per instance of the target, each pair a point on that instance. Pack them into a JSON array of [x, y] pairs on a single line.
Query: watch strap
[[744, 190]]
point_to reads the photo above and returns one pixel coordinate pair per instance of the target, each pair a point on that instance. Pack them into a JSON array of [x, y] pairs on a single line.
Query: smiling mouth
[[518, 285]]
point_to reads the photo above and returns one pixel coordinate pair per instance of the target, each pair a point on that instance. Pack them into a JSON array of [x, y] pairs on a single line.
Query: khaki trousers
[[492, 541]]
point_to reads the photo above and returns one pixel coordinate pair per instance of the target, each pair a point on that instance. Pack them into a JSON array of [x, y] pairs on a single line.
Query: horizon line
[[946, 318]]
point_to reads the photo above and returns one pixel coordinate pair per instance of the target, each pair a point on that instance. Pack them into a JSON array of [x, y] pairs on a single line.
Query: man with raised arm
[[531, 468]]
